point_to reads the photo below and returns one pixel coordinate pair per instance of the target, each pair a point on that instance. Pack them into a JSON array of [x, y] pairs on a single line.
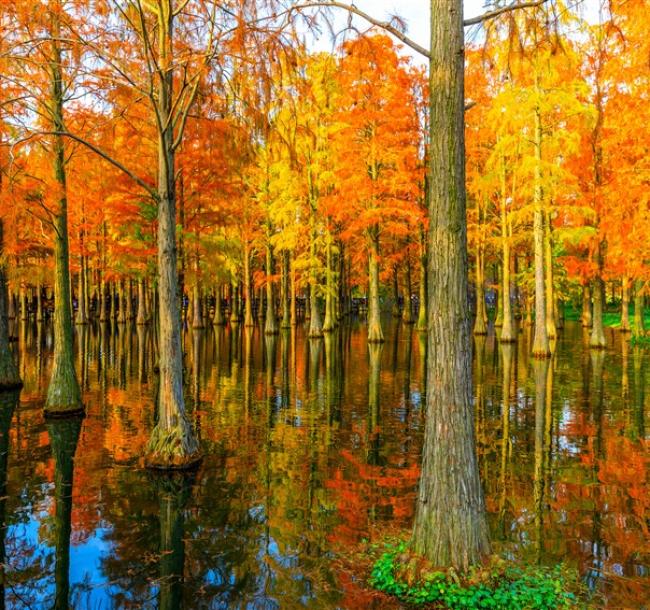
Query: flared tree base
[[173, 448], [63, 393], [9, 377]]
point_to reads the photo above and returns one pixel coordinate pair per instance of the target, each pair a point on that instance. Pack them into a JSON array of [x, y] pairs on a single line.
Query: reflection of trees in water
[[8, 403], [295, 467], [64, 436]]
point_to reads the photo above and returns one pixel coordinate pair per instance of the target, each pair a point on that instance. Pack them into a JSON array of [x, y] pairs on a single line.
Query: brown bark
[[450, 526]]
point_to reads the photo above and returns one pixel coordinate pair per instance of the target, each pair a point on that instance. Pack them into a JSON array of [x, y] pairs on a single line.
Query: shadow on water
[[311, 446]]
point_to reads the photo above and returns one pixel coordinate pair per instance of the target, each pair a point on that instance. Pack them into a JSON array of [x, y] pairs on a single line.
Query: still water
[[311, 446]]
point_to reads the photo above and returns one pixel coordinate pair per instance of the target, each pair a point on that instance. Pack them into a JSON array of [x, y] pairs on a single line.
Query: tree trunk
[[625, 305], [541, 347], [63, 394], [395, 310], [172, 443], [407, 314], [597, 337], [9, 377], [639, 329], [271, 324], [480, 328], [40, 315], [234, 302], [330, 295], [375, 333], [141, 317], [197, 317], [248, 292], [551, 329], [285, 297], [218, 318], [450, 527], [422, 307], [498, 318], [82, 317], [294, 312], [586, 317]]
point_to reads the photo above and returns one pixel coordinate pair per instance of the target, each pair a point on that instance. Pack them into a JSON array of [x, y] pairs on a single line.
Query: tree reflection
[[8, 403], [64, 436], [173, 492]]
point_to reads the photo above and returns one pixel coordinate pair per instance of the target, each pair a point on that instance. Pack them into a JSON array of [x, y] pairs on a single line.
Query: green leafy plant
[[496, 585]]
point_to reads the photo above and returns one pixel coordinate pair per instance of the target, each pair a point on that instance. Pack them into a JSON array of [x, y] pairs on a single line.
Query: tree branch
[[139, 181], [499, 11], [384, 25]]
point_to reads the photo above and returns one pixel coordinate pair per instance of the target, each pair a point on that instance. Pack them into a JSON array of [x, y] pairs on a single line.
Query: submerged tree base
[[173, 448], [496, 584]]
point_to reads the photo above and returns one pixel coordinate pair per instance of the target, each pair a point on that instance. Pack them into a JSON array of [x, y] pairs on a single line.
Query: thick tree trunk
[[375, 332], [63, 394], [9, 377], [625, 305], [450, 526], [172, 443]]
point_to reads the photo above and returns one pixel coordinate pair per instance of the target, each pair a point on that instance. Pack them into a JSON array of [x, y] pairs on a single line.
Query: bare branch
[[500, 11], [384, 25]]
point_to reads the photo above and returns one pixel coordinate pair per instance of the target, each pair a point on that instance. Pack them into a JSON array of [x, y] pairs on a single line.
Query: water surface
[[311, 447]]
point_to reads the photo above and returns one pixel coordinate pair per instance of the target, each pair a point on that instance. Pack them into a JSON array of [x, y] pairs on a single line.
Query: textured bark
[[63, 394], [375, 332], [172, 443], [625, 305], [450, 527], [9, 376], [498, 318], [64, 436]]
